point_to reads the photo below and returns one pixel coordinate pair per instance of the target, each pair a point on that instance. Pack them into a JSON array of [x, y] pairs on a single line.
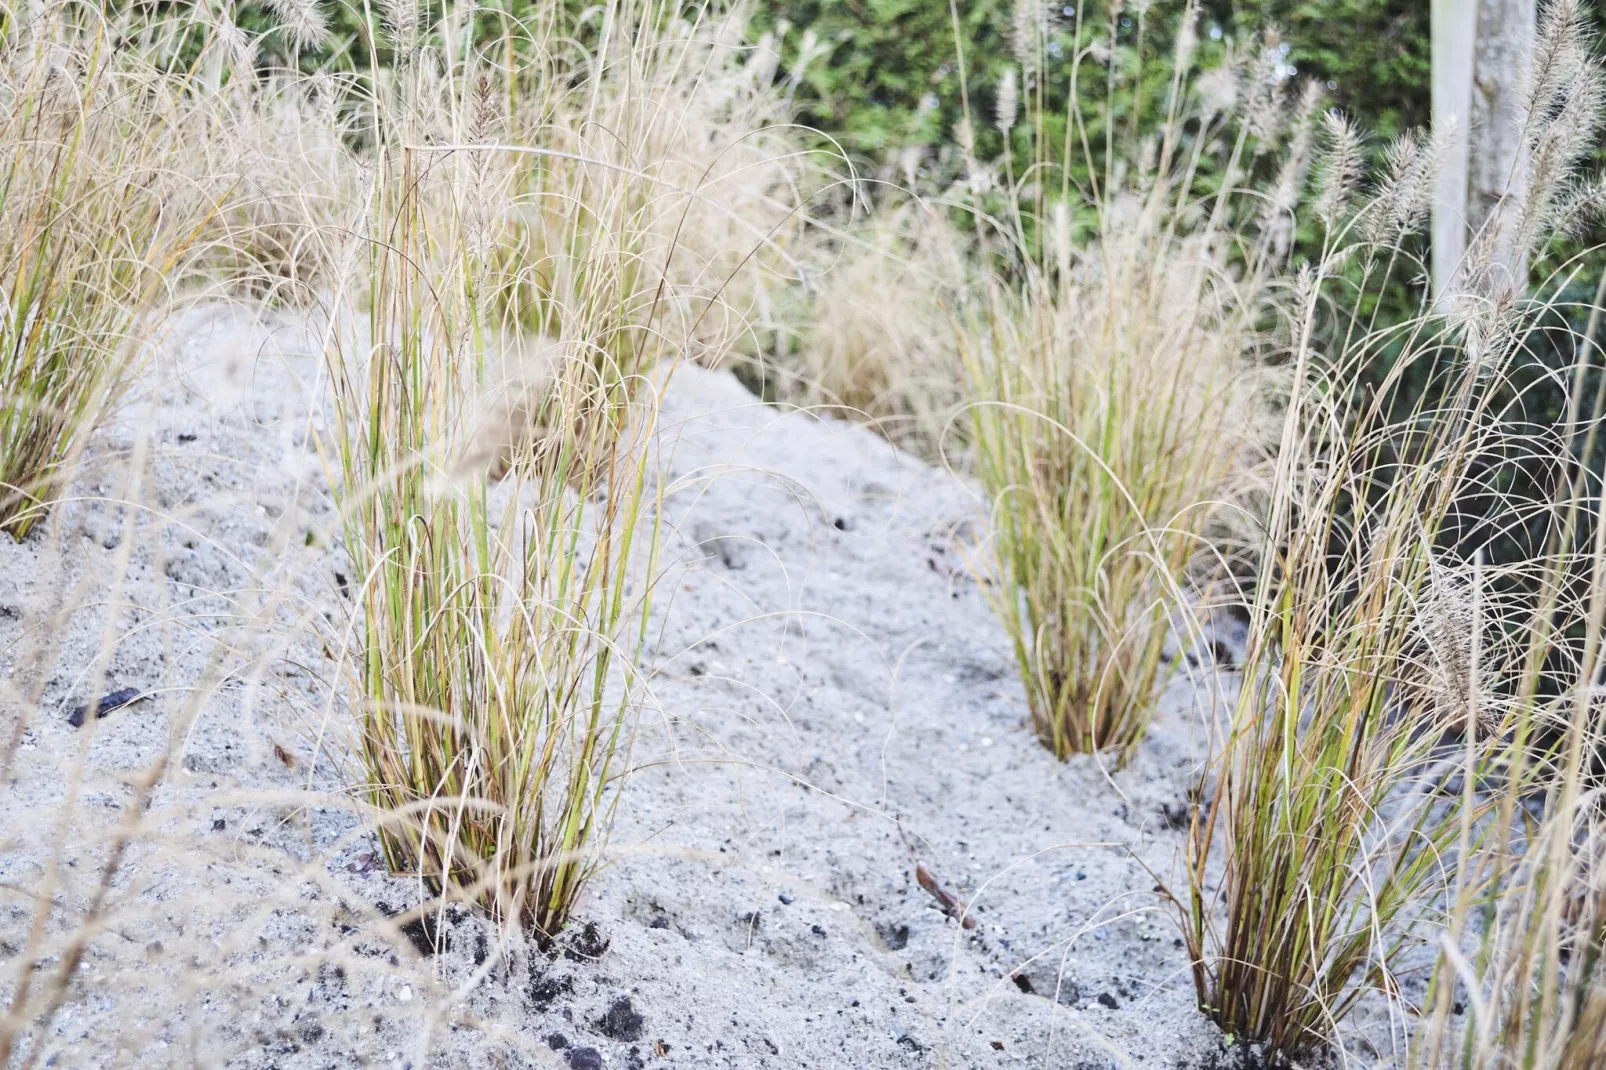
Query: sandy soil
[[832, 705]]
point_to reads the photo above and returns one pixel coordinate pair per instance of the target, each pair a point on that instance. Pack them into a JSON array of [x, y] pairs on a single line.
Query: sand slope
[[831, 703]]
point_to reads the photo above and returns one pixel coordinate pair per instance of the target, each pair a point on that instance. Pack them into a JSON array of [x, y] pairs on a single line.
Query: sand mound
[[833, 708]]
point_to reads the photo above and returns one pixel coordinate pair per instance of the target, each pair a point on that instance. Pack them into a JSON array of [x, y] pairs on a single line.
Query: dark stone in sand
[[584, 1059], [116, 700], [543, 990], [426, 936], [587, 945], [622, 1021]]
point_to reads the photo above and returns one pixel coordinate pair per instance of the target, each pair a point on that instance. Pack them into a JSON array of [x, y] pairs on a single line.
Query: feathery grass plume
[[1288, 189], [1341, 170], [965, 136], [301, 22], [1450, 619], [743, 244], [1579, 207], [1060, 238], [96, 232], [1563, 105], [1264, 92], [1566, 108], [400, 20], [1405, 194], [1113, 389], [1008, 102], [1028, 32], [1187, 41]]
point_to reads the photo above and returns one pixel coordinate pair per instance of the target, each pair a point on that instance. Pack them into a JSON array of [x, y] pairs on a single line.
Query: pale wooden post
[[1455, 26], [1497, 179], [1481, 53]]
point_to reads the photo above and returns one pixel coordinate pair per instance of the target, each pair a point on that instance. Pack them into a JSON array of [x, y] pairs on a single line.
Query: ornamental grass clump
[[499, 618], [493, 436], [719, 179], [95, 235], [1520, 980], [288, 142], [871, 352], [1325, 812], [1422, 632], [1113, 364]]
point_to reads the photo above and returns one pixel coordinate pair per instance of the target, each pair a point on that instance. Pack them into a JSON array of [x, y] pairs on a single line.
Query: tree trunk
[[1498, 180], [1455, 31], [1481, 54]]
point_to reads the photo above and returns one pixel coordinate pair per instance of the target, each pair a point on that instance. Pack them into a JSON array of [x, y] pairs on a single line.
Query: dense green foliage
[[883, 74], [1372, 55]]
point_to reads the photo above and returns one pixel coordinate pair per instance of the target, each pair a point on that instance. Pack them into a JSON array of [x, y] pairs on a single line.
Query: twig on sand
[[951, 904]]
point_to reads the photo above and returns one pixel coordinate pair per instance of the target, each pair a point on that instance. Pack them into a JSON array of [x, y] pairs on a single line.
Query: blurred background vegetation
[[881, 74], [882, 78]]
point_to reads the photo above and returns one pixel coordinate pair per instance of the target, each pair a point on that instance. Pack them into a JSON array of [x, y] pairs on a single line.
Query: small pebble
[[116, 700]]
